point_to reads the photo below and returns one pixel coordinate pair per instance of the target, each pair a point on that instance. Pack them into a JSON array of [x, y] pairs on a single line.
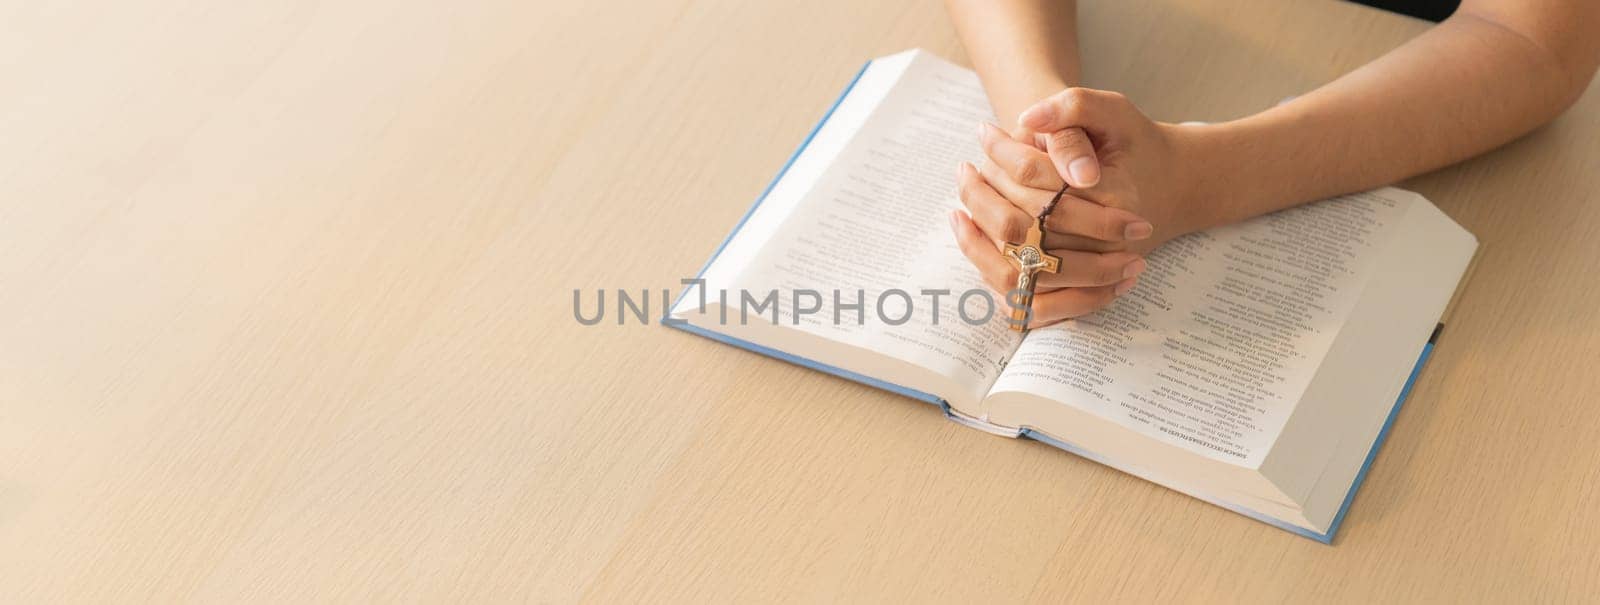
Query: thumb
[[1065, 119], [1070, 107], [1073, 155]]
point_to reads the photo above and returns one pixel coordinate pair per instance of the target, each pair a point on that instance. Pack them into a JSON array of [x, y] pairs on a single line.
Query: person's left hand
[[1101, 226], [1111, 153]]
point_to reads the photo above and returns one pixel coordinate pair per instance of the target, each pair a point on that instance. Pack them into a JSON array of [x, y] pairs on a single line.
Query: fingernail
[[983, 130], [1126, 285], [1086, 171], [1133, 269], [1138, 231], [954, 222]]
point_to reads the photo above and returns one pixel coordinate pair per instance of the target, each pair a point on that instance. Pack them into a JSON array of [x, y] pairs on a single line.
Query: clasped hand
[[1121, 205]]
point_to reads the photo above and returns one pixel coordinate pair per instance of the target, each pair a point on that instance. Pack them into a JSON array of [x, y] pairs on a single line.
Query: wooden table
[[286, 315]]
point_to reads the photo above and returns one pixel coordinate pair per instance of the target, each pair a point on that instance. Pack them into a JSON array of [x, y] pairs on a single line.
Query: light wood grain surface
[[286, 315]]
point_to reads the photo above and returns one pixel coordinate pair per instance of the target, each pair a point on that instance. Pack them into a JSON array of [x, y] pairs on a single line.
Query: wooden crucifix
[[1030, 259]]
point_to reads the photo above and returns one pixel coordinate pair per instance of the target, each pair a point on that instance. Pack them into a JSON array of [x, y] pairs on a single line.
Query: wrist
[[1198, 183], [1247, 167]]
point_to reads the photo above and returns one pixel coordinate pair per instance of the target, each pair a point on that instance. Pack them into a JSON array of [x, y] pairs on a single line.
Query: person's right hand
[[1102, 143], [1114, 156]]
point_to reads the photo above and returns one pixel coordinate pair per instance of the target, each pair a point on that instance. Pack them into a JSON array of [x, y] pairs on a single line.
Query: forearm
[[1458, 90], [1024, 50]]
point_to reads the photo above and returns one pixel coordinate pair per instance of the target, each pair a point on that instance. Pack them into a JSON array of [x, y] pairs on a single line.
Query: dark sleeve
[[1432, 10]]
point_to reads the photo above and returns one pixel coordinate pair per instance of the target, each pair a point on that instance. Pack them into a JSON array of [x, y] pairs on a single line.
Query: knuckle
[[1094, 302], [1077, 310], [1058, 222], [1075, 137], [1026, 173], [1014, 228], [1066, 221], [1105, 297], [1109, 225], [1064, 137], [1108, 270]]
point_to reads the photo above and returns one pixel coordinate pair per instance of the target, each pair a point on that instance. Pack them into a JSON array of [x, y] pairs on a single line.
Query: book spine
[[981, 424]]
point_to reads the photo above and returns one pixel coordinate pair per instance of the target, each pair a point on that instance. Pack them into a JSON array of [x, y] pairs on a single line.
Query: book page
[[1214, 347], [867, 256]]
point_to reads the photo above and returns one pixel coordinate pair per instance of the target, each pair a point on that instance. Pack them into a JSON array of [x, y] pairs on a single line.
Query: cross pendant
[[1030, 259]]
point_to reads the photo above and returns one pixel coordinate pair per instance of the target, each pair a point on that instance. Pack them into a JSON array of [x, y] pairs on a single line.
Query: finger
[[1091, 112], [1077, 302], [1077, 216], [1072, 215], [1067, 241], [1026, 164], [997, 274], [1029, 201], [1074, 158], [998, 218], [1112, 192], [1087, 269], [1027, 137]]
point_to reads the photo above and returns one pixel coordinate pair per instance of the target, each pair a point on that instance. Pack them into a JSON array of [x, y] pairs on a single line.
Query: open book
[[1255, 366]]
